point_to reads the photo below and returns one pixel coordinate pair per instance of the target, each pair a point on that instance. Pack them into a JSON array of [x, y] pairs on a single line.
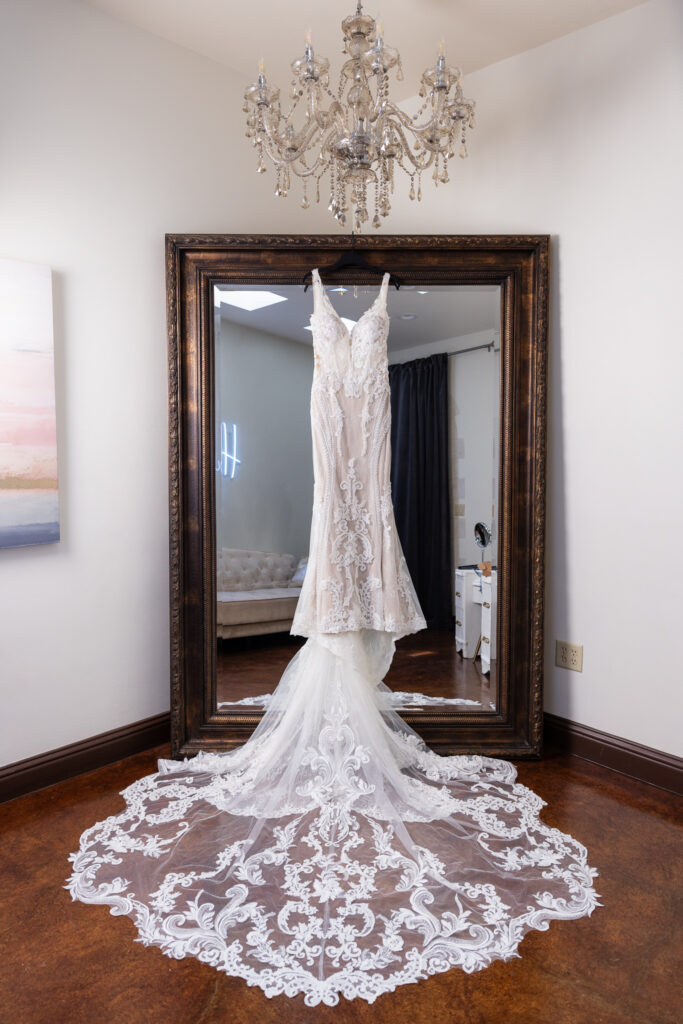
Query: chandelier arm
[[419, 164], [286, 153], [407, 121], [320, 163], [437, 148], [335, 112], [272, 151], [318, 121], [308, 171], [441, 146]]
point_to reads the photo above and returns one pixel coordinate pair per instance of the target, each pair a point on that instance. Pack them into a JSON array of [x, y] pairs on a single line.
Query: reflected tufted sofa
[[255, 595]]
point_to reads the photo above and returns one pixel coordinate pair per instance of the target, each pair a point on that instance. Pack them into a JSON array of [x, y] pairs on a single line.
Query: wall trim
[[644, 764], [75, 758]]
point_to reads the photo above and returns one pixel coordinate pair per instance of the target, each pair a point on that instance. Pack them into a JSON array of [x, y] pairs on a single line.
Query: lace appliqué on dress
[[357, 577]]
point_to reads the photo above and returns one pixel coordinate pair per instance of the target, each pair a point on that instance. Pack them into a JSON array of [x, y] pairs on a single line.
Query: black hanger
[[353, 258]]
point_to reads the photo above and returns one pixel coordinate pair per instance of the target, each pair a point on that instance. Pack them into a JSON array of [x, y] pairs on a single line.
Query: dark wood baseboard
[[75, 758], [639, 762], [633, 759]]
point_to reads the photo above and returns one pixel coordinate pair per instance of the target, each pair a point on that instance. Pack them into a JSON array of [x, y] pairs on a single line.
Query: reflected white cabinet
[[489, 617], [467, 613]]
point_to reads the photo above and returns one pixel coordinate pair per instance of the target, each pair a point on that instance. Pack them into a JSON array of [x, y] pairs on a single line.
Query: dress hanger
[[353, 258]]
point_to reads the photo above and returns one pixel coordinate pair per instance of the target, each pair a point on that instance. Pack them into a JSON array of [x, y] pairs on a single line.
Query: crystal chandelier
[[362, 136]]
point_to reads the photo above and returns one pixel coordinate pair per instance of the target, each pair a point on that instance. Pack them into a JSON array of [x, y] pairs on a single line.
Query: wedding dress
[[334, 853]]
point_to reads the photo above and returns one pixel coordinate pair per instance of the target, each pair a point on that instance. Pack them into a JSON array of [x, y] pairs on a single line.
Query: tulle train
[[334, 853]]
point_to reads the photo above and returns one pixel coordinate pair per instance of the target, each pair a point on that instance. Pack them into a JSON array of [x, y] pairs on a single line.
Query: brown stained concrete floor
[[68, 963]]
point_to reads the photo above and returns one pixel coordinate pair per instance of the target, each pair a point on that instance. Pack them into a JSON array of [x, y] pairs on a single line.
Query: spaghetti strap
[[384, 288], [318, 291]]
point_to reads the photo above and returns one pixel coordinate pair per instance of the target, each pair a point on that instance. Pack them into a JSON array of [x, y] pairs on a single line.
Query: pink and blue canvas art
[[29, 498]]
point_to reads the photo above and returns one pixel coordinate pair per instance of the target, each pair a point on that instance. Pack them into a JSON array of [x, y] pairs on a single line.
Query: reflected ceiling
[[440, 313]]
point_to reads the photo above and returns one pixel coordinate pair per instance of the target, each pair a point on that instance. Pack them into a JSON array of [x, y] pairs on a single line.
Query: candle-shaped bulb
[[260, 66], [308, 37], [442, 48], [379, 29]]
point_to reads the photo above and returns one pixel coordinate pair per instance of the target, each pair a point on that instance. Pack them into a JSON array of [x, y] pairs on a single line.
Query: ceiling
[[476, 32], [444, 312]]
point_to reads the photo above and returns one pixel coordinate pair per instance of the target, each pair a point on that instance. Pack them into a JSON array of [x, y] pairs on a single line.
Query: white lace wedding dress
[[334, 853]]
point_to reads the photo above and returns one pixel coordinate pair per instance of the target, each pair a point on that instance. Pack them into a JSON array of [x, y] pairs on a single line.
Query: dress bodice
[[357, 577], [349, 355]]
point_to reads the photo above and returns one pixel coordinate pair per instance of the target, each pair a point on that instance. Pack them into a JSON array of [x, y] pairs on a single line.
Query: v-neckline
[[349, 331]]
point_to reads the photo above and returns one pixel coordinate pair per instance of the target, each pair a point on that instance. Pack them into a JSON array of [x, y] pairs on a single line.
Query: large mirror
[[466, 354], [444, 373]]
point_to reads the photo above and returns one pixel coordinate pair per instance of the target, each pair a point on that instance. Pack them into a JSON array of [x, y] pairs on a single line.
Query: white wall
[[263, 384], [583, 139], [113, 137], [110, 138], [475, 423]]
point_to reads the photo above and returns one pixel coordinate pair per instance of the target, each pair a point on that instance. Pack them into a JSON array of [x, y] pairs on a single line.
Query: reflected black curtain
[[419, 480]]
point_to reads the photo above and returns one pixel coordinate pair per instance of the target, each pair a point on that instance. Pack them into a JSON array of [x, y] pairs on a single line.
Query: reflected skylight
[[250, 300]]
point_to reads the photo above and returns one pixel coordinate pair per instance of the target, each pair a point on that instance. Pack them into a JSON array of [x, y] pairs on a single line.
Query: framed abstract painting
[[29, 497]]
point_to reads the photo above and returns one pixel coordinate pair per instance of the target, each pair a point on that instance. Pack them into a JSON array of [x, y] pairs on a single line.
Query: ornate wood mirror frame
[[519, 265]]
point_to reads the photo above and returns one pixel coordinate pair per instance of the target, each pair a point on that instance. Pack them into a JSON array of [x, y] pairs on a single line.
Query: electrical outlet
[[569, 655]]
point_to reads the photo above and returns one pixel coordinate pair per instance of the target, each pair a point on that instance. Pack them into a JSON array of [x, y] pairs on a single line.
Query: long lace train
[[334, 853]]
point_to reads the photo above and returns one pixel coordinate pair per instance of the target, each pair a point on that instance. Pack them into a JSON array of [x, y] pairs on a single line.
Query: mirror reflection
[[444, 371]]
